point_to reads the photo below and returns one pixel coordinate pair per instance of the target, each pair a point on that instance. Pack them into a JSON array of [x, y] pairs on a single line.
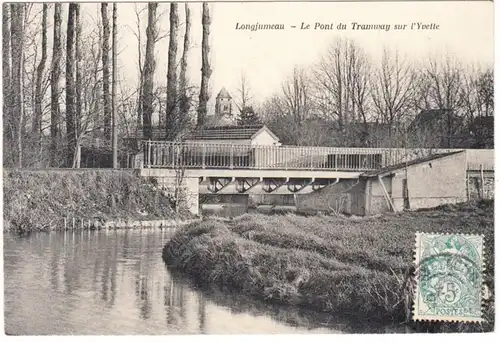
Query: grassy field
[[359, 267], [39, 200]]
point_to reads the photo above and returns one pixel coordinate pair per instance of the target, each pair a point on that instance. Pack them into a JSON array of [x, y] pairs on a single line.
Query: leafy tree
[[248, 116], [206, 71]]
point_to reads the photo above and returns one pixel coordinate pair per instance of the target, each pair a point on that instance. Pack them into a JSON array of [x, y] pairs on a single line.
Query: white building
[[236, 135]]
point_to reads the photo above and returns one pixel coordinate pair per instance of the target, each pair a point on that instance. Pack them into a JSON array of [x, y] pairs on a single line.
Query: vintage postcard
[[248, 167]]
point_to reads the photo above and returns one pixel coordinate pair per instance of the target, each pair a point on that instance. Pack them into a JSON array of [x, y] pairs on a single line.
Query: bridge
[[259, 169]]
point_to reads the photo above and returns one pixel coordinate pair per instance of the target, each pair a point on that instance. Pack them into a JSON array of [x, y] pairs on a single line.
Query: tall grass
[[39, 200], [361, 268]]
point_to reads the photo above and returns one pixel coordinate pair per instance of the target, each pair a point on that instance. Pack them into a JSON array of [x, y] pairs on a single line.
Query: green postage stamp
[[449, 279]]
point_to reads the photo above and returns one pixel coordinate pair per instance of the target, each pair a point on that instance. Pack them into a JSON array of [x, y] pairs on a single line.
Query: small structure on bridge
[[237, 135], [421, 183]]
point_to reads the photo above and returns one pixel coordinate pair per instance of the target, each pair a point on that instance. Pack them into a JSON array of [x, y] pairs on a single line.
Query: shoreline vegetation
[[92, 199], [360, 268]]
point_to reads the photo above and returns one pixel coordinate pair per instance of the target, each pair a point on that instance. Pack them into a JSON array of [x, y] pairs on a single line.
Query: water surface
[[115, 282]]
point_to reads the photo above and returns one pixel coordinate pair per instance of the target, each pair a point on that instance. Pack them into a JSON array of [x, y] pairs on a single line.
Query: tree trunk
[[6, 78], [205, 66], [78, 85], [113, 92], [96, 108], [54, 84], [17, 38], [70, 86], [141, 74], [171, 109], [37, 118], [149, 70], [183, 86], [105, 71]]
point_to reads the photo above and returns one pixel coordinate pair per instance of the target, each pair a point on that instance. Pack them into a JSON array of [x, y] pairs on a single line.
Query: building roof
[[486, 122], [221, 120], [230, 133], [390, 169], [429, 117], [224, 93]]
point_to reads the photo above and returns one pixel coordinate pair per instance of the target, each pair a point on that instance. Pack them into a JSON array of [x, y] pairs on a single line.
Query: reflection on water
[[115, 282]]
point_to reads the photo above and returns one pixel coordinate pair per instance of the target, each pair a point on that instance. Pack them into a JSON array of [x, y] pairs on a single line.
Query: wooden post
[[482, 181], [149, 154], [65, 224], [78, 161], [203, 155], [387, 197], [467, 184], [286, 159], [231, 157], [174, 154]]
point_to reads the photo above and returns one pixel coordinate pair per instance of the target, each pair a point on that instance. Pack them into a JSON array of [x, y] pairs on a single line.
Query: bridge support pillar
[[192, 195]]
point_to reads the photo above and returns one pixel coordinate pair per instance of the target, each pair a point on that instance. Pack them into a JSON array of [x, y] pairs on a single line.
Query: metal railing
[[197, 155]]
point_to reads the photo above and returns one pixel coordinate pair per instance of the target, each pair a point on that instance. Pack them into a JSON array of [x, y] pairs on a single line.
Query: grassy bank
[[361, 268], [40, 200]]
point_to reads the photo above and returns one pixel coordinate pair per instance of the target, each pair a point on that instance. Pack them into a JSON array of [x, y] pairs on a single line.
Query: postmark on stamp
[[448, 277]]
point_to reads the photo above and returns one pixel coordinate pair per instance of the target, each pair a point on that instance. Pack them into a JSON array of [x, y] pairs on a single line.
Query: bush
[[40, 200], [363, 268]]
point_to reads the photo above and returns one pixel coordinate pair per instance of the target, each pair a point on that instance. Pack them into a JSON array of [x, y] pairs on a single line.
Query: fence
[[193, 155]]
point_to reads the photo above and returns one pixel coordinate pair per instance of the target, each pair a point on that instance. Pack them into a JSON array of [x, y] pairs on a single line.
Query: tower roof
[[224, 93]]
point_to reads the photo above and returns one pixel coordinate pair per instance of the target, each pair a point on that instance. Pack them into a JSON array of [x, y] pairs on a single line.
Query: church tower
[[223, 104]]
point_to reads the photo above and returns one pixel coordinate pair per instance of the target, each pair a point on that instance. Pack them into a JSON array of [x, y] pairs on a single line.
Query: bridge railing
[[193, 155]]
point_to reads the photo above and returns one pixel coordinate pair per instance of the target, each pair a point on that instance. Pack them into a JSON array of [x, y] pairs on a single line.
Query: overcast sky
[[267, 57]]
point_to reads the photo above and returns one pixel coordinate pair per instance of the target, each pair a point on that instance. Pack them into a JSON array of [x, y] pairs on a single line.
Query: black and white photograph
[[213, 168]]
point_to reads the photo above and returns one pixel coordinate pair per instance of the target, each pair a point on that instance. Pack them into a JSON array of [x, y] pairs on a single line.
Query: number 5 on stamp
[[449, 277]]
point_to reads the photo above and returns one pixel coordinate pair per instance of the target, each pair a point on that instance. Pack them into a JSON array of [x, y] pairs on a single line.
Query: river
[[115, 282]]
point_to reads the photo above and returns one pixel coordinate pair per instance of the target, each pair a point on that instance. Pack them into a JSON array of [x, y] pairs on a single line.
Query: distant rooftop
[[425, 117], [224, 93], [226, 133]]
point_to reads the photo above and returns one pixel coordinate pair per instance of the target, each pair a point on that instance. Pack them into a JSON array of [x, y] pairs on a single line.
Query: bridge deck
[[209, 156], [252, 173]]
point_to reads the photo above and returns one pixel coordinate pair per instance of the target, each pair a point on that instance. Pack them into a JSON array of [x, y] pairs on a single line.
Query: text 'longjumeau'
[[340, 26]]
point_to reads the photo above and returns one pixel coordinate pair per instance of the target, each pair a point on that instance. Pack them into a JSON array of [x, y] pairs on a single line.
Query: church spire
[[223, 103]]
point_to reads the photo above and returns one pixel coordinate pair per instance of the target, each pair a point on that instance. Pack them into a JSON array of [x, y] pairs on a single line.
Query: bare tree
[[441, 88], [6, 79], [478, 103], [105, 71], [37, 118], [70, 85], [138, 35], [288, 111], [244, 93], [54, 83], [89, 122], [158, 36], [341, 88], [171, 108], [205, 66], [17, 58], [113, 92], [149, 70], [183, 83], [78, 83], [393, 90]]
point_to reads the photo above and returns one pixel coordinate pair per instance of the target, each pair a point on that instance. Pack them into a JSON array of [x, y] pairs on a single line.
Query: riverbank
[[359, 267], [59, 199]]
